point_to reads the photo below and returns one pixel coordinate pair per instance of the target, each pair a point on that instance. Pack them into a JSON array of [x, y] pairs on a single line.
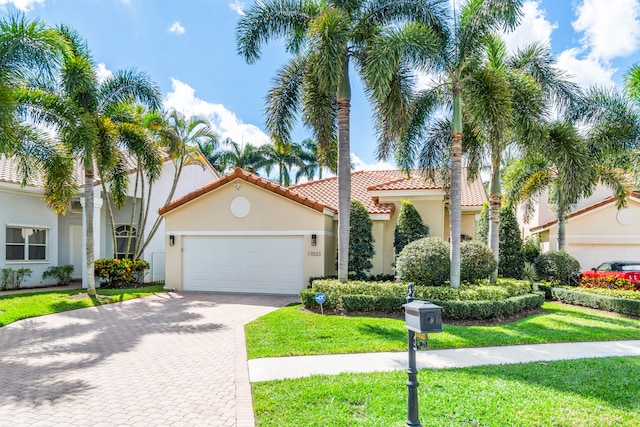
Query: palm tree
[[321, 158], [511, 96], [566, 168], [80, 108], [29, 50], [177, 137], [248, 157], [632, 82], [288, 157], [458, 77], [378, 38]]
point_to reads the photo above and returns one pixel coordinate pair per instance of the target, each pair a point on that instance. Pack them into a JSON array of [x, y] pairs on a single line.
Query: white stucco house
[[243, 233], [33, 236], [596, 230]]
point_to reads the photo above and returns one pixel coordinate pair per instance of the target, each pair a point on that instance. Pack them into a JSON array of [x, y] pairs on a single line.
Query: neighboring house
[[33, 236], [243, 233], [596, 231]]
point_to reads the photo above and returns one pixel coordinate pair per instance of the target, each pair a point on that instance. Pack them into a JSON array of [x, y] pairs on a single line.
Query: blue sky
[[188, 48]]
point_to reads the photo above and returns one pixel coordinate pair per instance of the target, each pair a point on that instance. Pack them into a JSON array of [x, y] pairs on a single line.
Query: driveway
[[171, 359]]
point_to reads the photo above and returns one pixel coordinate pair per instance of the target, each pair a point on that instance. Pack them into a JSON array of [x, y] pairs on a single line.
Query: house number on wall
[[314, 253]]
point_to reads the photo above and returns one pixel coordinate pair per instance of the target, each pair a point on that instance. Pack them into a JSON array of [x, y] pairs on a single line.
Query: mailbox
[[423, 317]]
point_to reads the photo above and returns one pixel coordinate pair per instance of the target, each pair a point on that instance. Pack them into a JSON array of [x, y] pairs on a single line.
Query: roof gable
[[239, 173]]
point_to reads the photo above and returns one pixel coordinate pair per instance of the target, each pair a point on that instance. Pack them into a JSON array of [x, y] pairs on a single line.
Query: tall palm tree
[[458, 77], [377, 38], [80, 108], [566, 168], [177, 137], [512, 94]]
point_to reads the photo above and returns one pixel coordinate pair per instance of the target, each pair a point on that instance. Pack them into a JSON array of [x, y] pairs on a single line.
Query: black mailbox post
[[421, 317]]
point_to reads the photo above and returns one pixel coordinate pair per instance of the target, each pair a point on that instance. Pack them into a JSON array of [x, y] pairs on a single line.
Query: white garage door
[[593, 255], [253, 264]]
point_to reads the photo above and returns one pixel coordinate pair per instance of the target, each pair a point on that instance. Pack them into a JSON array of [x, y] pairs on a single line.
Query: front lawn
[[291, 331], [588, 392], [22, 306]]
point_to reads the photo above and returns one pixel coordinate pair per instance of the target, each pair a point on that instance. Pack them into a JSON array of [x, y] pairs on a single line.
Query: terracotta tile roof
[[363, 182], [604, 202], [251, 178], [9, 173]]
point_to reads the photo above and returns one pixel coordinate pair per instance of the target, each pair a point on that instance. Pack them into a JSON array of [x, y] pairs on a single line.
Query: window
[[122, 237], [26, 244]]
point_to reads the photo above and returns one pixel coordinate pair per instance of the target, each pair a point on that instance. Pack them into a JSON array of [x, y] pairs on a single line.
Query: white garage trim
[[246, 264], [252, 233], [592, 255]]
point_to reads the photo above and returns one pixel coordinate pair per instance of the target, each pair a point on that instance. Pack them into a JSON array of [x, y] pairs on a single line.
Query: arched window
[[122, 237]]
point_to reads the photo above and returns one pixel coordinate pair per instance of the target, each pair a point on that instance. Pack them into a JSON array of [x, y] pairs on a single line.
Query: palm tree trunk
[[495, 202], [111, 218], [88, 195], [455, 203], [344, 173]]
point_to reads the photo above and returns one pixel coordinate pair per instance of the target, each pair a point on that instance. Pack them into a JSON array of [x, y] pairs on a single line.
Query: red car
[[629, 270]]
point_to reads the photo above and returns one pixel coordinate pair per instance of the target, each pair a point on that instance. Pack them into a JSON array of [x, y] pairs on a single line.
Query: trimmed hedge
[[452, 309], [600, 302]]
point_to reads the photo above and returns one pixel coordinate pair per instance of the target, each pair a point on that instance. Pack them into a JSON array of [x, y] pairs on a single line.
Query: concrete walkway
[[273, 368], [174, 359]]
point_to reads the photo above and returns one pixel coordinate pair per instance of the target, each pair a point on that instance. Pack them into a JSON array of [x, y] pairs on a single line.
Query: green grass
[[22, 306], [290, 331], [588, 392]]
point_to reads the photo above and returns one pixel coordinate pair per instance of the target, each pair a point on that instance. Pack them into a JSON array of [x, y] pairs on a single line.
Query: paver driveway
[[170, 359]]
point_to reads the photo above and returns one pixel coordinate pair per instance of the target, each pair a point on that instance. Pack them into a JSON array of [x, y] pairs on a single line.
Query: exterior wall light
[[172, 240], [314, 239]]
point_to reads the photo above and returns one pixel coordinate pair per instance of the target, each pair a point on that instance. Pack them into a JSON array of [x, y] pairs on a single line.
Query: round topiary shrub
[[476, 261], [558, 267], [424, 262]]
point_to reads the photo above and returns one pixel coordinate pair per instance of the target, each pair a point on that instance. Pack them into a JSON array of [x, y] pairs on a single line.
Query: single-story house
[[33, 236], [596, 231], [243, 233]]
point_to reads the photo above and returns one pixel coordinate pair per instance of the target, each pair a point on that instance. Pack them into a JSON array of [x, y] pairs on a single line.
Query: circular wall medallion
[[626, 216], [240, 207]]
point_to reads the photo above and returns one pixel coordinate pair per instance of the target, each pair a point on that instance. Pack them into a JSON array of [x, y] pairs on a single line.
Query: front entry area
[[245, 264]]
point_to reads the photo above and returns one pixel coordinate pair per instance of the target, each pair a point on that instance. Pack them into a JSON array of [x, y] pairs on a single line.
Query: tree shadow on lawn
[[40, 354]]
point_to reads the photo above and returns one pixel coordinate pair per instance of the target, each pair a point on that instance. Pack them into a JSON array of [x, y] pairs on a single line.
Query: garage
[[592, 255], [252, 264]]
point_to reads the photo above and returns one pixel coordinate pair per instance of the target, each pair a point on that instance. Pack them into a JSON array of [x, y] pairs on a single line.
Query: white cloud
[[534, 27], [23, 5], [225, 123], [238, 7], [102, 72], [611, 28], [359, 164], [586, 71], [176, 28]]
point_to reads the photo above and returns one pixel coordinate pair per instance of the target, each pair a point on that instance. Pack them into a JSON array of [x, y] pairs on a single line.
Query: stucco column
[[97, 208]]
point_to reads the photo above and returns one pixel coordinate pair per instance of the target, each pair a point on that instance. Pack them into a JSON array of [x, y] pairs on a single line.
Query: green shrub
[[531, 248], [476, 261], [12, 279], [529, 272], [409, 226], [601, 302], [63, 273], [387, 304], [489, 309], [360, 240], [308, 298], [119, 273], [334, 291], [558, 267], [511, 259], [424, 262]]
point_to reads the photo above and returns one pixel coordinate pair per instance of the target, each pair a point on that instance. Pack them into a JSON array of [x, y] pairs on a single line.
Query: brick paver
[[171, 359]]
